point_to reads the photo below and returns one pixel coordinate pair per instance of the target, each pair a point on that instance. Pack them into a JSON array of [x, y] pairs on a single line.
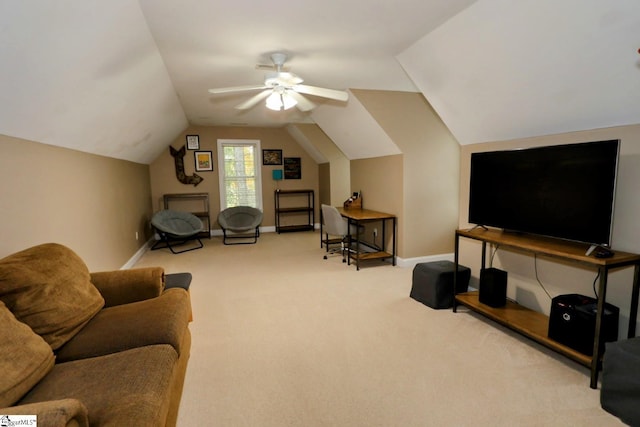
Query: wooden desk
[[357, 217], [535, 325]]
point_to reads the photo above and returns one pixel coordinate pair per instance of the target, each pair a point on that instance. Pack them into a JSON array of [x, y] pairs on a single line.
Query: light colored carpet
[[282, 337]]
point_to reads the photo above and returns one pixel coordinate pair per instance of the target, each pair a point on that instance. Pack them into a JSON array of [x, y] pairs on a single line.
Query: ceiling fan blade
[[236, 89], [254, 100], [270, 67], [303, 103], [338, 95]]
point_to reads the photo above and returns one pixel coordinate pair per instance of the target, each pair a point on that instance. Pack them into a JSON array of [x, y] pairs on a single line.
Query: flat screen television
[[563, 191]]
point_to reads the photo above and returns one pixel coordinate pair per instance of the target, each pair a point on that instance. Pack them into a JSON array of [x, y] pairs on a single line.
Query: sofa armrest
[[53, 413], [126, 286]]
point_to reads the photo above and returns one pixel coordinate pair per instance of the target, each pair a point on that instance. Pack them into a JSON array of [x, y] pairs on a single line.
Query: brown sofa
[[80, 348]]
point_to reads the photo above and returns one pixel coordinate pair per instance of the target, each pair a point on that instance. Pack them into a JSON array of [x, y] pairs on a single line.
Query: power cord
[[493, 254], [495, 250], [535, 261], [594, 284], [535, 269]]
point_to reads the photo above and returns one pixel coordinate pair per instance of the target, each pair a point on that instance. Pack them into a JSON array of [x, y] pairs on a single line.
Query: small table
[[357, 217]]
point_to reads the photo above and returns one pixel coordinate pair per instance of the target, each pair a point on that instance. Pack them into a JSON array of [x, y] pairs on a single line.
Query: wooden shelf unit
[[198, 201], [535, 325], [305, 200]]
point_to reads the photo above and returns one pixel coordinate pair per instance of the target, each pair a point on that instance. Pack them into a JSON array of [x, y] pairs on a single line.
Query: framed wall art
[[204, 160], [271, 157], [193, 142], [292, 168]]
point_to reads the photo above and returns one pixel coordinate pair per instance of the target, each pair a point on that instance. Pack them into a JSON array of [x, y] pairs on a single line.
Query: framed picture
[[193, 142], [271, 157], [204, 160], [292, 168]]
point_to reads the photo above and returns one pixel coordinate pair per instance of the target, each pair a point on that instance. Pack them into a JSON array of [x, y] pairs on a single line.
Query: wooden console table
[[535, 325]]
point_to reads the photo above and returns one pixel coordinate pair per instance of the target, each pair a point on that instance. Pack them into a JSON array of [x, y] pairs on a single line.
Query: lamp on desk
[[276, 174]]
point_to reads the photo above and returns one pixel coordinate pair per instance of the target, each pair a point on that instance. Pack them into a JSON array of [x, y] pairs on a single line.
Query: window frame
[[257, 161]]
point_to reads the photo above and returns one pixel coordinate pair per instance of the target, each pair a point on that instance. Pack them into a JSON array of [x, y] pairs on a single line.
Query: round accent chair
[[243, 222], [176, 228]]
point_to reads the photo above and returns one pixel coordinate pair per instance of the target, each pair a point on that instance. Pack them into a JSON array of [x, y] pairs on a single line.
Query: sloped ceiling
[[86, 76], [123, 78], [505, 69], [331, 43], [354, 131]]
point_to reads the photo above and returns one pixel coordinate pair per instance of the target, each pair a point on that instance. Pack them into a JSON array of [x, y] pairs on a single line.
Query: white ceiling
[[123, 78], [332, 43]]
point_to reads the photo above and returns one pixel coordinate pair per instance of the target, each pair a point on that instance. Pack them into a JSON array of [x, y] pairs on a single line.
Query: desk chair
[[335, 225]]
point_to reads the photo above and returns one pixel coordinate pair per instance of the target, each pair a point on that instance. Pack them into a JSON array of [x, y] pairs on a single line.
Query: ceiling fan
[[283, 90]]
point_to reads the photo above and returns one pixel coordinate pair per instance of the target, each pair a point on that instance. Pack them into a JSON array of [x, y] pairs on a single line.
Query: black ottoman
[[433, 283], [620, 389]]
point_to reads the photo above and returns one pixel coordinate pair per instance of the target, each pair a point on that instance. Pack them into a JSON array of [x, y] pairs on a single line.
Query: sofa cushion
[[160, 320], [25, 359], [48, 288], [129, 388]]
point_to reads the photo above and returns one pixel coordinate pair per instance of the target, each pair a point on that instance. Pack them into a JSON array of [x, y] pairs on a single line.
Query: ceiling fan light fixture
[[288, 101], [280, 101], [283, 90], [274, 102]]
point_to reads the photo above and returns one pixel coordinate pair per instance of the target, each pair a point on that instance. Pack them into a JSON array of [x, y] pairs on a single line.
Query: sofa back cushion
[[48, 287], [25, 359]]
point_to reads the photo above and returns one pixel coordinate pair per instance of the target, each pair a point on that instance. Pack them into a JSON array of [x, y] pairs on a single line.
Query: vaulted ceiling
[[123, 78]]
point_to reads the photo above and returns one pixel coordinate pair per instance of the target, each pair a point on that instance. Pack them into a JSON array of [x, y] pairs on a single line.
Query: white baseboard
[[411, 262], [400, 262], [136, 257]]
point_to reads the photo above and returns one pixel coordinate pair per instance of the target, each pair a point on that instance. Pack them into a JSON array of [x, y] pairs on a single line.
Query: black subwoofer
[[493, 287], [572, 322]]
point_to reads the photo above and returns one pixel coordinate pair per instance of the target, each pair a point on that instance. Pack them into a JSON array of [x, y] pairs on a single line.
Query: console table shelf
[[535, 325], [527, 322]]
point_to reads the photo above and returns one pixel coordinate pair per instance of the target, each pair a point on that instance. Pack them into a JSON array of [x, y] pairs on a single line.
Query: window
[[239, 166]]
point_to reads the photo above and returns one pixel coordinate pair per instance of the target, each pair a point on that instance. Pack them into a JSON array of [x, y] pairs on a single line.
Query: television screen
[[563, 191]]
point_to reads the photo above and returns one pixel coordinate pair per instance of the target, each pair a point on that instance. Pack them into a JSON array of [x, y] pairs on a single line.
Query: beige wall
[[339, 172], [93, 204], [380, 181], [163, 175], [324, 184], [430, 170], [559, 278]]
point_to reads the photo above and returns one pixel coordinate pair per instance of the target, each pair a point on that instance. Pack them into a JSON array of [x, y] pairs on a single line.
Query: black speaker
[[493, 287], [572, 322]]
